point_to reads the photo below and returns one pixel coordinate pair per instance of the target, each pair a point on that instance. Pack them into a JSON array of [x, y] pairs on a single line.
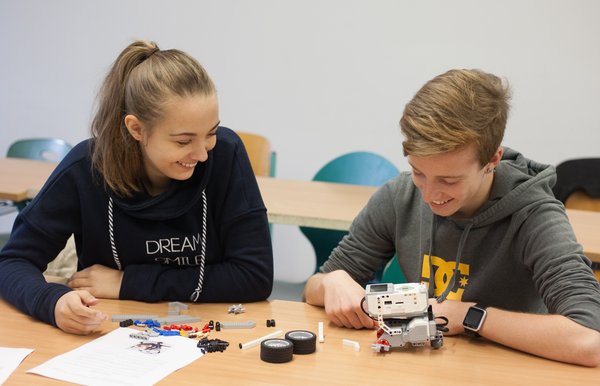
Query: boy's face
[[454, 183]]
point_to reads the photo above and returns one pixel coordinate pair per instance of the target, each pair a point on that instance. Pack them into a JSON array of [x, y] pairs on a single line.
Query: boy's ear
[[497, 157], [134, 126]]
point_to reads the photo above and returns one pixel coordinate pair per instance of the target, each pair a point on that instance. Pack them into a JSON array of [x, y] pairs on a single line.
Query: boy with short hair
[[479, 224]]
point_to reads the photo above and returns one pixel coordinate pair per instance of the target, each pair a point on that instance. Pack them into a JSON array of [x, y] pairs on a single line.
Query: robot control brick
[[404, 316]]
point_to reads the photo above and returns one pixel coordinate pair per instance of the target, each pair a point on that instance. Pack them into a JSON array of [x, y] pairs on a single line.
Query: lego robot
[[404, 316]]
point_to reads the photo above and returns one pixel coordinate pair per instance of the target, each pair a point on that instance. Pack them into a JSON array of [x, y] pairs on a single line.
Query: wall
[[319, 78]]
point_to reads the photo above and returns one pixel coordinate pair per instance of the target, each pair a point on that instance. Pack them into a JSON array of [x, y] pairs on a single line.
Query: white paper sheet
[[10, 358], [117, 359]]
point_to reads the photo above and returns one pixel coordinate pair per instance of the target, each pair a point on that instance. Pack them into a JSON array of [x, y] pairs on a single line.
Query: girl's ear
[[134, 126]]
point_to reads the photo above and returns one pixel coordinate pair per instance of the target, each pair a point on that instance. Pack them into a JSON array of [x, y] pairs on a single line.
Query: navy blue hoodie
[[159, 242]]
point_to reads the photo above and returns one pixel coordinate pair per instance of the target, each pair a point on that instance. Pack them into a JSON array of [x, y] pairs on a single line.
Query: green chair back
[[272, 165], [392, 273], [358, 168], [40, 149]]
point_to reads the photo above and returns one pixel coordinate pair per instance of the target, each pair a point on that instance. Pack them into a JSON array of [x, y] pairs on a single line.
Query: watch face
[[474, 318]]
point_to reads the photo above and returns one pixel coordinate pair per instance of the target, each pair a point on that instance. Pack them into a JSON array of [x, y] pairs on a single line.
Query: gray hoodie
[[517, 253]]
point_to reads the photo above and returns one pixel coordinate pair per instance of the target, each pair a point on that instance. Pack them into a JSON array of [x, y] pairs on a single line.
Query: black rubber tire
[[305, 342], [276, 350]]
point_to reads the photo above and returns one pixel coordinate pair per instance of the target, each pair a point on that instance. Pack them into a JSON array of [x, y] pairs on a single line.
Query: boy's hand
[[342, 300]]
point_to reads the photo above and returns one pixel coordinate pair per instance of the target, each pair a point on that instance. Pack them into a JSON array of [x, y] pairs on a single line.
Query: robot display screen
[[379, 287]]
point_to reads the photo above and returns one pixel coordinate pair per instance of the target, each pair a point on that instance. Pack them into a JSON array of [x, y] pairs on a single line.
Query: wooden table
[[314, 204], [461, 361], [304, 203], [586, 225], [21, 179]]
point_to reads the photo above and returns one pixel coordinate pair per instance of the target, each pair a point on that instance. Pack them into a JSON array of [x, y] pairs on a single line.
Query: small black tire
[[276, 350], [305, 342]]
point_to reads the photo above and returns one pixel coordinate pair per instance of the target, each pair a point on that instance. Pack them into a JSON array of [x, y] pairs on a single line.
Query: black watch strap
[[472, 333]]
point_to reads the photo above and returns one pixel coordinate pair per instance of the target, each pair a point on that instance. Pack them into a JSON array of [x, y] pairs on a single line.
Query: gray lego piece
[[236, 309], [138, 335], [150, 332], [177, 319], [180, 305], [248, 324]]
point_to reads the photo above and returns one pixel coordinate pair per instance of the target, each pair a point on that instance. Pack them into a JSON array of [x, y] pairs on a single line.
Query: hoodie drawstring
[[431, 289], [111, 234], [196, 294], [461, 245]]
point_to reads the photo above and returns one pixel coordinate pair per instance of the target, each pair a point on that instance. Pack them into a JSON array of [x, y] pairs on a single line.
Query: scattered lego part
[[126, 323], [218, 326], [231, 325], [138, 335], [211, 324], [175, 308], [236, 309], [180, 305], [351, 343], [320, 332], [179, 327], [198, 334], [272, 322], [212, 345], [268, 322], [177, 319], [146, 323], [257, 341], [305, 342], [120, 318], [165, 332], [151, 333], [276, 350]]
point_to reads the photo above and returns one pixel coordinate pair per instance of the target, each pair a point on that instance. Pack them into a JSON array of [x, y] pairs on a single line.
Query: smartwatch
[[474, 320]]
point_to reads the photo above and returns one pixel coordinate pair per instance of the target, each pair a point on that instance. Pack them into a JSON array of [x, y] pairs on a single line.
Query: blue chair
[[359, 168]]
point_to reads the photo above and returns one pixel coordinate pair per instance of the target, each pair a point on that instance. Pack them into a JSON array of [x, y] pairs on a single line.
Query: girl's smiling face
[[181, 138]]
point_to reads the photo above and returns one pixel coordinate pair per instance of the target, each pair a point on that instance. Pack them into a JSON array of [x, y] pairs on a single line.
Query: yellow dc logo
[[442, 275]]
